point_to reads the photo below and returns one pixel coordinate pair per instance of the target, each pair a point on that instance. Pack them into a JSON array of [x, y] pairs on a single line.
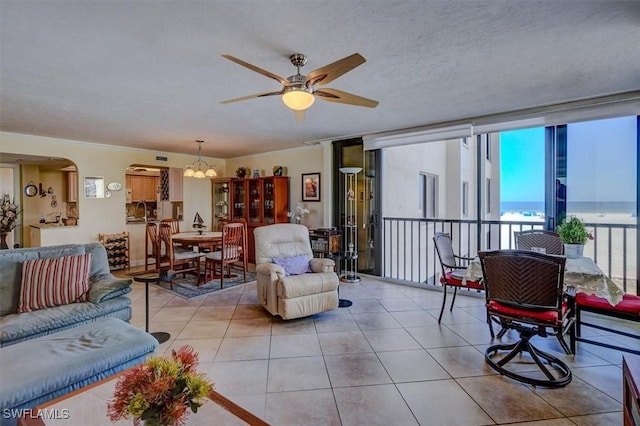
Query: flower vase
[[151, 422], [3, 241], [573, 251], [298, 220]]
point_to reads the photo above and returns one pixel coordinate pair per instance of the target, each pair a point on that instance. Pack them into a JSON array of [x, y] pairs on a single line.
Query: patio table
[[583, 274]]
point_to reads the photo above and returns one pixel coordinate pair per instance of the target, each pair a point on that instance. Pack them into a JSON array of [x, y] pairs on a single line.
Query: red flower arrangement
[[161, 390]]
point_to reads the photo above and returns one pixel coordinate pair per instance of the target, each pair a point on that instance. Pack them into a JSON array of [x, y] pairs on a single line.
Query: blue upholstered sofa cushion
[[60, 363], [19, 327]]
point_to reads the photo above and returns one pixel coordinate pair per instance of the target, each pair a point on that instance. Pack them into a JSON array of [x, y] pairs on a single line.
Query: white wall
[[401, 169], [296, 161], [107, 215]]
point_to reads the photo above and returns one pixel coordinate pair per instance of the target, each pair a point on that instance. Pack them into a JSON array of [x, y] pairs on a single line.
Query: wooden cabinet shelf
[[258, 201], [117, 246]]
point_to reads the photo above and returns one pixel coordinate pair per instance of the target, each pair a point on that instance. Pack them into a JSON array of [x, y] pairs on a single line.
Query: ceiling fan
[[298, 92]]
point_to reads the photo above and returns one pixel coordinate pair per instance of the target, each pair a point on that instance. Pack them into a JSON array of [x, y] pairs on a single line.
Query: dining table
[[201, 240], [582, 273]]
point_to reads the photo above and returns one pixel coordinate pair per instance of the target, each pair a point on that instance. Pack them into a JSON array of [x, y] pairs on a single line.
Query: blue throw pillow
[[293, 265]]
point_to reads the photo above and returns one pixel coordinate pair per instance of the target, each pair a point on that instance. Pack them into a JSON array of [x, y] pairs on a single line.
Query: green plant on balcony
[[573, 231]]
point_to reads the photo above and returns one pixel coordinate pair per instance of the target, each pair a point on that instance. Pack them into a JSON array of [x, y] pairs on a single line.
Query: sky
[[601, 162], [522, 165]]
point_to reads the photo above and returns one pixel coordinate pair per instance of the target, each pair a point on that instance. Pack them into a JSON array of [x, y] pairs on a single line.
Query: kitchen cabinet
[[171, 185], [150, 188], [143, 188], [72, 187], [34, 237], [258, 201]]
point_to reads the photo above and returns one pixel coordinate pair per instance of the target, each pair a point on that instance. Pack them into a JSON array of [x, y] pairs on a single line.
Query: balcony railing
[[409, 254]]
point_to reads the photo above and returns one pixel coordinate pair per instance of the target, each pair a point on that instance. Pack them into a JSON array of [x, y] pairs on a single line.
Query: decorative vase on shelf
[[573, 251], [3, 241]]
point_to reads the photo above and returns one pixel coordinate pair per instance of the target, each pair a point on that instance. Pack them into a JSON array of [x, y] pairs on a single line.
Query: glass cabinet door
[[238, 191], [269, 212], [255, 190], [220, 202]]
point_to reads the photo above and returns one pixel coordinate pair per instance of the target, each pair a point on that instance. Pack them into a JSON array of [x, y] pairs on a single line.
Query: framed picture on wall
[[94, 187], [311, 187]]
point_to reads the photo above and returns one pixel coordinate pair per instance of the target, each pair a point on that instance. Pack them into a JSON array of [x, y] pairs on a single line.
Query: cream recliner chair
[[292, 296]]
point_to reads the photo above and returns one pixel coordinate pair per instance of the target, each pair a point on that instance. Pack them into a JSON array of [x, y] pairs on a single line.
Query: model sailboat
[[198, 223]]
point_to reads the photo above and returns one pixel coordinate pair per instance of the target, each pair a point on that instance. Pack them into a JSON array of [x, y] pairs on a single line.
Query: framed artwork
[[94, 187], [311, 187]]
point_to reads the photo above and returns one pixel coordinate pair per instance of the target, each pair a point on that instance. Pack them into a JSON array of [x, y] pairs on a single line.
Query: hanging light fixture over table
[[200, 168]]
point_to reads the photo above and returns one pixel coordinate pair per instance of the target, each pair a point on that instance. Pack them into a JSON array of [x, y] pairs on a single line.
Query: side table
[[153, 277]]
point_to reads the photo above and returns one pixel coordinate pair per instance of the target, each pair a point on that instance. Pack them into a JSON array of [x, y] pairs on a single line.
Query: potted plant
[[160, 391], [574, 236]]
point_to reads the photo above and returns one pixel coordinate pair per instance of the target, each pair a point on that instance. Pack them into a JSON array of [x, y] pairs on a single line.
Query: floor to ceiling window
[[522, 175], [601, 189]]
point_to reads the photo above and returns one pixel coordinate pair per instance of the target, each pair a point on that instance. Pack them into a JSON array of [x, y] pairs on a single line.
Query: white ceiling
[[149, 74]]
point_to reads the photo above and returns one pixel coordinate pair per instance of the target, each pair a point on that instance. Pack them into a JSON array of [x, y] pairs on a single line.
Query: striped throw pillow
[[54, 282]]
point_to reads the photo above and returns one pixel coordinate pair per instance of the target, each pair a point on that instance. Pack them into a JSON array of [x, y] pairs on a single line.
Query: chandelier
[[200, 168]]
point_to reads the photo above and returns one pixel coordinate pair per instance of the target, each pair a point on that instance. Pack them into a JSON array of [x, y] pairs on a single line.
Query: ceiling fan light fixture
[[298, 98], [196, 170]]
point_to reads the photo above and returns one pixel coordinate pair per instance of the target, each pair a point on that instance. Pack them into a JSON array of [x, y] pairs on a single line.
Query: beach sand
[[613, 247]]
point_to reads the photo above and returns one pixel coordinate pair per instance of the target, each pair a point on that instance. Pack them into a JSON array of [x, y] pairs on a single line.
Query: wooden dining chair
[[233, 244], [243, 251], [152, 247], [178, 259], [174, 223], [453, 269], [540, 239], [525, 292]]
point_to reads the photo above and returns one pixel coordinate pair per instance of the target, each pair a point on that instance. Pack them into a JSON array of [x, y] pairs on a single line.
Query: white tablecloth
[[583, 274]]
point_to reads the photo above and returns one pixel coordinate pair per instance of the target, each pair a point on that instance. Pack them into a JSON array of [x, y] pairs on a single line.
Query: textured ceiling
[[149, 74]]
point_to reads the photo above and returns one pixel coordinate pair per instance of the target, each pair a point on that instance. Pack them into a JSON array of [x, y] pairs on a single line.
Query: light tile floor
[[383, 361]]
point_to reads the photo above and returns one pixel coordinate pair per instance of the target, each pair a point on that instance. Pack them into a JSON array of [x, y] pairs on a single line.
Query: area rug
[[186, 287]]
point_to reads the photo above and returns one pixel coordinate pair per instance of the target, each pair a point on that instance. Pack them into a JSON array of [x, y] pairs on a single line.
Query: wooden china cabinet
[[259, 201]]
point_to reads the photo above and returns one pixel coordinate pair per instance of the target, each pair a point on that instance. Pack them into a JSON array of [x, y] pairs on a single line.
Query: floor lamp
[[350, 225]]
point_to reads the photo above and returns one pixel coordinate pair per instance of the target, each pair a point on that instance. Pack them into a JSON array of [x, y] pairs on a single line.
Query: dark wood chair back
[[151, 246], [174, 223], [548, 240], [523, 279]]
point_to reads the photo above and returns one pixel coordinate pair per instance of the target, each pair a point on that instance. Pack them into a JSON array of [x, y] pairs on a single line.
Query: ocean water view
[[601, 207]]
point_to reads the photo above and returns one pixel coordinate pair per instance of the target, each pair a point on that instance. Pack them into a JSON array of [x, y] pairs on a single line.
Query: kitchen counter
[[141, 220], [51, 225], [43, 234]]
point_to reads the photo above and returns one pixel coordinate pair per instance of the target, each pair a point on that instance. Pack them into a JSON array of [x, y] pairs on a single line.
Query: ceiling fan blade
[[299, 114], [334, 95], [330, 72], [279, 79], [257, 95]]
